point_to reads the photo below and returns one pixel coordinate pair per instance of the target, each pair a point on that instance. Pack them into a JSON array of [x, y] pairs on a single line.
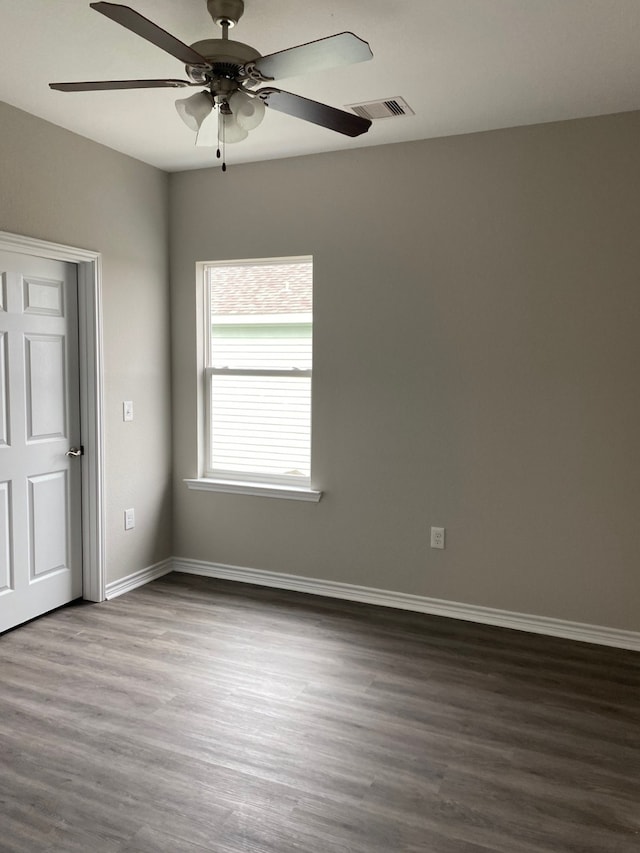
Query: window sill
[[289, 493]]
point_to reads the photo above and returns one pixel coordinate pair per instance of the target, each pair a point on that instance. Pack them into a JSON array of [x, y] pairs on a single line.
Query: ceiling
[[462, 65]]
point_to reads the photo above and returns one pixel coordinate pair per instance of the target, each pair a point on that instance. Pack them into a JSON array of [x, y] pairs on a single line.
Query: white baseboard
[[421, 604], [136, 579]]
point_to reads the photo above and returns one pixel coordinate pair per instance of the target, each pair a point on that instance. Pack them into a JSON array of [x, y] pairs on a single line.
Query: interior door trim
[[89, 266]]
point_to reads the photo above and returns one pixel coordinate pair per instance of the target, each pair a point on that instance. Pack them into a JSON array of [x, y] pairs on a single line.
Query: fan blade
[[99, 85], [330, 52], [145, 28], [322, 114]]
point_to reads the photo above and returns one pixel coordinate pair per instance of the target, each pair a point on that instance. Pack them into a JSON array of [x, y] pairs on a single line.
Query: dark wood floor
[[195, 715]]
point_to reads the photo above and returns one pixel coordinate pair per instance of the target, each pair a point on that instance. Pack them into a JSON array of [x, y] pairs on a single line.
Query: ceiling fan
[[229, 71]]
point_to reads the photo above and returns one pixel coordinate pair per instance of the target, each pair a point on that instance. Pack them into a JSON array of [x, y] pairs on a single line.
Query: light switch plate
[[127, 410]]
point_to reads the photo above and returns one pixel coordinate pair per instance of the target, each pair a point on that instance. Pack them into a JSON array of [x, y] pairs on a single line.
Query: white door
[[40, 500]]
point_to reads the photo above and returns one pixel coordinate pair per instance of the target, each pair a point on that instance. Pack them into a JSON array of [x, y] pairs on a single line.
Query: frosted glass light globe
[[233, 131], [194, 110], [248, 111]]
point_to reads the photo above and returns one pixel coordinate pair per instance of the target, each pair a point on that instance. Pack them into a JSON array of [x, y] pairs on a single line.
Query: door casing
[[91, 398]]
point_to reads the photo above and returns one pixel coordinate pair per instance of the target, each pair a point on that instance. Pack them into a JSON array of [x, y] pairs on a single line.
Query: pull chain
[[221, 139]]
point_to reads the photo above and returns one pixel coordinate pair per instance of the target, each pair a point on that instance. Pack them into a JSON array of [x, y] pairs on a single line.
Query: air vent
[[387, 108]]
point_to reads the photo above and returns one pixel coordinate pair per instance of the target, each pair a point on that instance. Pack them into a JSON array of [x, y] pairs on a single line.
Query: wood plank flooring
[[194, 715]]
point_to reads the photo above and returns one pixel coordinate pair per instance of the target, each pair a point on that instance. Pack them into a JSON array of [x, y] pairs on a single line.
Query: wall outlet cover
[[437, 537]]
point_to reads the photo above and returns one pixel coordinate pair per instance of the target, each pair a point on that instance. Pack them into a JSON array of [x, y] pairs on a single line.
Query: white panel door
[[40, 499]]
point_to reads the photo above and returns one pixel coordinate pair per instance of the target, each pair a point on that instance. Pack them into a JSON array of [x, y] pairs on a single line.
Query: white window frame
[[290, 488]]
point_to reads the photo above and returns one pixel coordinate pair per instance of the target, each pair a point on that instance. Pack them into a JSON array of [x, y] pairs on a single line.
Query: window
[[258, 374]]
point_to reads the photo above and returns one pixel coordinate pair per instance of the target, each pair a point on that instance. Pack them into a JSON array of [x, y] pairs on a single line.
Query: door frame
[[89, 265]]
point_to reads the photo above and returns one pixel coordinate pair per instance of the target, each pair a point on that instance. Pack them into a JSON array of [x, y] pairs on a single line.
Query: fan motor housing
[[226, 50]]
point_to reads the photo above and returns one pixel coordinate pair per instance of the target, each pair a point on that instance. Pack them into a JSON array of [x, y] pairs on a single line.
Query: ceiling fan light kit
[[229, 71]]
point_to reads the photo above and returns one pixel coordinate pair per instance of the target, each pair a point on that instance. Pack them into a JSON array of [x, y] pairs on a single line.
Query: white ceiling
[[462, 65]]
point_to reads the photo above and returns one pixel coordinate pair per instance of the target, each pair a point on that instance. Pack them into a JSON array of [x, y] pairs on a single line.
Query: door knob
[[75, 451]]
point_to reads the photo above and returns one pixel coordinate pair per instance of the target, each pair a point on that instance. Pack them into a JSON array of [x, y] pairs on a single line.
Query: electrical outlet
[[129, 519], [127, 410], [437, 537]]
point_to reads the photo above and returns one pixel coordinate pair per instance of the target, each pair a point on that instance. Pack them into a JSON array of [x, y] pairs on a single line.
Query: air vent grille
[[386, 108]]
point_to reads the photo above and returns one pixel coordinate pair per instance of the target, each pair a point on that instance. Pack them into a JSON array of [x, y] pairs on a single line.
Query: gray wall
[[477, 342], [476, 355], [56, 186]]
